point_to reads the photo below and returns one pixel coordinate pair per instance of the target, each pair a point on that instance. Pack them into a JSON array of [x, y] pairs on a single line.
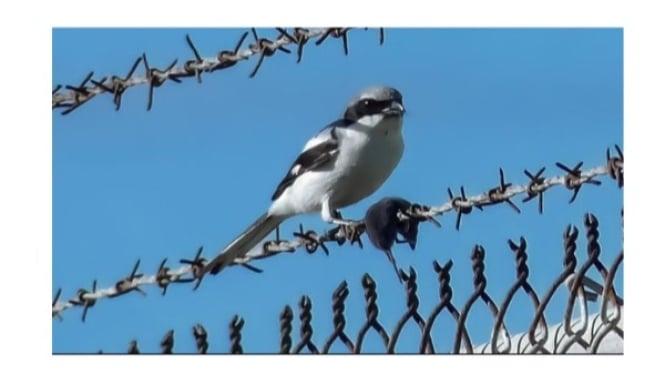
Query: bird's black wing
[[310, 159]]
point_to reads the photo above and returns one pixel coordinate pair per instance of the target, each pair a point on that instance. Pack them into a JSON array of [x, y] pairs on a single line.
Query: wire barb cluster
[[76, 95], [586, 333], [311, 241]]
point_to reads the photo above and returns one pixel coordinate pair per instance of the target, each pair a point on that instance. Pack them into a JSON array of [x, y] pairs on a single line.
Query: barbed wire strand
[[191, 270], [589, 339], [74, 96]]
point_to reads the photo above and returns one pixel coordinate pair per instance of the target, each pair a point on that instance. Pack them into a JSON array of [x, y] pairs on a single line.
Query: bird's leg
[[334, 217], [349, 227], [338, 220], [392, 261]]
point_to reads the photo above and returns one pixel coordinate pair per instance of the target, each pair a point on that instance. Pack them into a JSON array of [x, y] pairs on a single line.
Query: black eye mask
[[366, 107]]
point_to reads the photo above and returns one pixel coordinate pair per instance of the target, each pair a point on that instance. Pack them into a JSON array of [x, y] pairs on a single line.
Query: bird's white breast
[[369, 161], [365, 160]]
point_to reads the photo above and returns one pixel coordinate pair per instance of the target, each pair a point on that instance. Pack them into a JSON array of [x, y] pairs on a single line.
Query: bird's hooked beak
[[395, 108]]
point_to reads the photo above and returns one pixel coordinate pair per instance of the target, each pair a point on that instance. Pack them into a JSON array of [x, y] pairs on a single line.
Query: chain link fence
[[590, 281]]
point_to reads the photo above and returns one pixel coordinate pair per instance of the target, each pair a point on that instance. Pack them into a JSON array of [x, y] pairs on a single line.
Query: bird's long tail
[[242, 244]]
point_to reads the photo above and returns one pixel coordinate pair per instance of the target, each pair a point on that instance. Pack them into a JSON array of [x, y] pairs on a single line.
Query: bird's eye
[[367, 107], [371, 105]]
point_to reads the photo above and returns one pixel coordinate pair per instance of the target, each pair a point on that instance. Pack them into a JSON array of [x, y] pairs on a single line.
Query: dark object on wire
[[385, 220]]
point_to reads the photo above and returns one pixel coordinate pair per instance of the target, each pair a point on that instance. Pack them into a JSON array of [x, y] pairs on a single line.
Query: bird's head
[[374, 104]]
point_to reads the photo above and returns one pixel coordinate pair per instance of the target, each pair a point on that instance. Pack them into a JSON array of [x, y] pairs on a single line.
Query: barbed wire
[[190, 270], [74, 96], [588, 335]]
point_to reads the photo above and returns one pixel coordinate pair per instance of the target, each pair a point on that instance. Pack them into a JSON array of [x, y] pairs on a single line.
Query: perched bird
[[344, 163], [382, 225]]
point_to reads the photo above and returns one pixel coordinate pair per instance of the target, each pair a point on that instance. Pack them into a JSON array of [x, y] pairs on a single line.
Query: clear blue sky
[[203, 163]]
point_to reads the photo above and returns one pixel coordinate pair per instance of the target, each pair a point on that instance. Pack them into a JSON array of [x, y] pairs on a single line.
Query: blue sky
[[203, 163]]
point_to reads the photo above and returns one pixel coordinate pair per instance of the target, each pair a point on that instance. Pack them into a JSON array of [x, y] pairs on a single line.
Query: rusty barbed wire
[[76, 95], [537, 339], [311, 241]]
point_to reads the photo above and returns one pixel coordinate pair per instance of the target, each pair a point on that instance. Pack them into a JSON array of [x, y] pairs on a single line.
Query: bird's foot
[[344, 222], [351, 230]]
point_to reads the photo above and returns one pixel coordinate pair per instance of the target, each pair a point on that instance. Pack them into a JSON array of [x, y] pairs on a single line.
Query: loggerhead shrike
[[344, 163]]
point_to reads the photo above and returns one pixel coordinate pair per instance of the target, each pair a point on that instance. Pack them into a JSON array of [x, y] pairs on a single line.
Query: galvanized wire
[[74, 96], [190, 270], [586, 334]]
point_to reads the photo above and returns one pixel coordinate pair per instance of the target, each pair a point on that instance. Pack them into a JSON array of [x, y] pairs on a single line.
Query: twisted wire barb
[[445, 297], [477, 259], [589, 336], [339, 321], [569, 263], [371, 313], [577, 287], [167, 342], [521, 282], [306, 330], [201, 338], [133, 347], [610, 323], [311, 241], [235, 328], [412, 303], [285, 328], [480, 284], [75, 96]]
